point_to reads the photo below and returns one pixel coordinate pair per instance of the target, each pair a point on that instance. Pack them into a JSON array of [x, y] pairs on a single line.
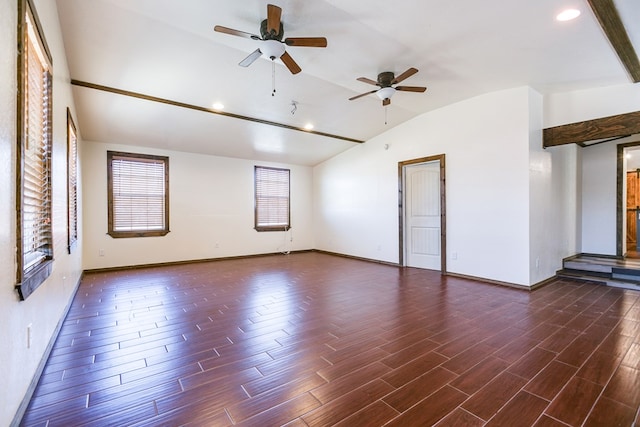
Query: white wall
[[588, 104], [633, 162], [555, 208], [45, 307], [211, 211], [599, 199], [486, 143], [553, 204]]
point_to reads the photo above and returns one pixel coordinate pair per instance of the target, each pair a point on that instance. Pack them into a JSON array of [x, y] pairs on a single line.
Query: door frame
[[443, 217]]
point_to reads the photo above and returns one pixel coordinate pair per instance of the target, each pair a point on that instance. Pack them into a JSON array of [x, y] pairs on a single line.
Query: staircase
[[609, 270]]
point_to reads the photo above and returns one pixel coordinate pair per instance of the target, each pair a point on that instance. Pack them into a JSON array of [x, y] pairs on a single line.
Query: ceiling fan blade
[[306, 41], [251, 58], [362, 94], [273, 18], [411, 88], [386, 102], [410, 72], [366, 80], [225, 30], [290, 63]]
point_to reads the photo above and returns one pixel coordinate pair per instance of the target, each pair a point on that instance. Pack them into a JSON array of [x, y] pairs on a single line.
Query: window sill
[[125, 234], [271, 228], [34, 279]]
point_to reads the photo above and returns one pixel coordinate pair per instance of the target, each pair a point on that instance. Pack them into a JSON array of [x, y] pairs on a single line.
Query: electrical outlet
[[537, 262], [454, 255], [217, 245], [100, 252], [29, 335]]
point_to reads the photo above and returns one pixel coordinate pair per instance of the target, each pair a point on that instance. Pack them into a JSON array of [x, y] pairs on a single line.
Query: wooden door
[[633, 202], [423, 210]]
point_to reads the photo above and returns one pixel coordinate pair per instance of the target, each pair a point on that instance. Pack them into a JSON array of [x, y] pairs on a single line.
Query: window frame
[[256, 198], [142, 158], [72, 183], [31, 274]]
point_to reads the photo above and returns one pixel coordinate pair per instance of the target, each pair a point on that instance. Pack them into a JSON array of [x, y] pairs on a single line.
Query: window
[[138, 192], [33, 202], [271, 199], [72, 182]]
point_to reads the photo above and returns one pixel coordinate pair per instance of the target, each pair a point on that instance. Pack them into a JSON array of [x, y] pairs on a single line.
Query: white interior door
[[422, 215]]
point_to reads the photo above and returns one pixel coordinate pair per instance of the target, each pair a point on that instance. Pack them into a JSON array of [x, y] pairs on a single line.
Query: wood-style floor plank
[[422, 387], [346, 405], [575, 401], [524, 409], [311, 339], [432, 409], [490, 399]]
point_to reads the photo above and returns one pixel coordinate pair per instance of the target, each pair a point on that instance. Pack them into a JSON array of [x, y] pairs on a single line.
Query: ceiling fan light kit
[[385, 93], [272, 49]]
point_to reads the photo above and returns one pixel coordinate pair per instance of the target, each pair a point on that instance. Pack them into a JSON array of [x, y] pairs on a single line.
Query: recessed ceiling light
[[308, 126], [218, 106], [568, 15]]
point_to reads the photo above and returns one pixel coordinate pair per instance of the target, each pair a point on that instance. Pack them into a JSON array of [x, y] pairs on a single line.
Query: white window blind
[[36, 174], [138, 193], [271, 199], [72, 185]]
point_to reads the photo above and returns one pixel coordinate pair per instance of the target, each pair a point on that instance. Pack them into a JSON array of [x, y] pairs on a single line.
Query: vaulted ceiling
[[147, 72]]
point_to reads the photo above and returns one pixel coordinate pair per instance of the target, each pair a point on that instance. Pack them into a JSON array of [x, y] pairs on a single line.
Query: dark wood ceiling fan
[[385, 82], [272, 44]]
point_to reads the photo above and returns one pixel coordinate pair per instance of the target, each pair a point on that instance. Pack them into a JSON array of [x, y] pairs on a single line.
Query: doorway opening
[[422, 213], [628, 216]]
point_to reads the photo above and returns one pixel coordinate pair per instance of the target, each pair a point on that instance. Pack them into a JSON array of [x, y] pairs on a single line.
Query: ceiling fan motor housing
[[267, 35], [385, 78]]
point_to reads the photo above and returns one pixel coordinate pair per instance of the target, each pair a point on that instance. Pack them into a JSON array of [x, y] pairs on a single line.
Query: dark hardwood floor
[[311, 339]]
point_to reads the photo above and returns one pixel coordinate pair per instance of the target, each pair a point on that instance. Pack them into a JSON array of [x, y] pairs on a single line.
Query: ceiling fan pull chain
[[273, 77], [386, 107]]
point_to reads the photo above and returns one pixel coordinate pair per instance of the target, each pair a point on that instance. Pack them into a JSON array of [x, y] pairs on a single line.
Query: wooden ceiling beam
[[590, 130], [609, 19]]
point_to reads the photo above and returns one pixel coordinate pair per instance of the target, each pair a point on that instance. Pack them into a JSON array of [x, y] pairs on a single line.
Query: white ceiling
[[462, 48]]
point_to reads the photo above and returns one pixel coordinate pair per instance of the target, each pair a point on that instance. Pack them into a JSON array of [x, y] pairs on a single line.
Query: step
[[582, 264], [610, 271], [624, 284], [604, 278], [625, 274], [589, 275]]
